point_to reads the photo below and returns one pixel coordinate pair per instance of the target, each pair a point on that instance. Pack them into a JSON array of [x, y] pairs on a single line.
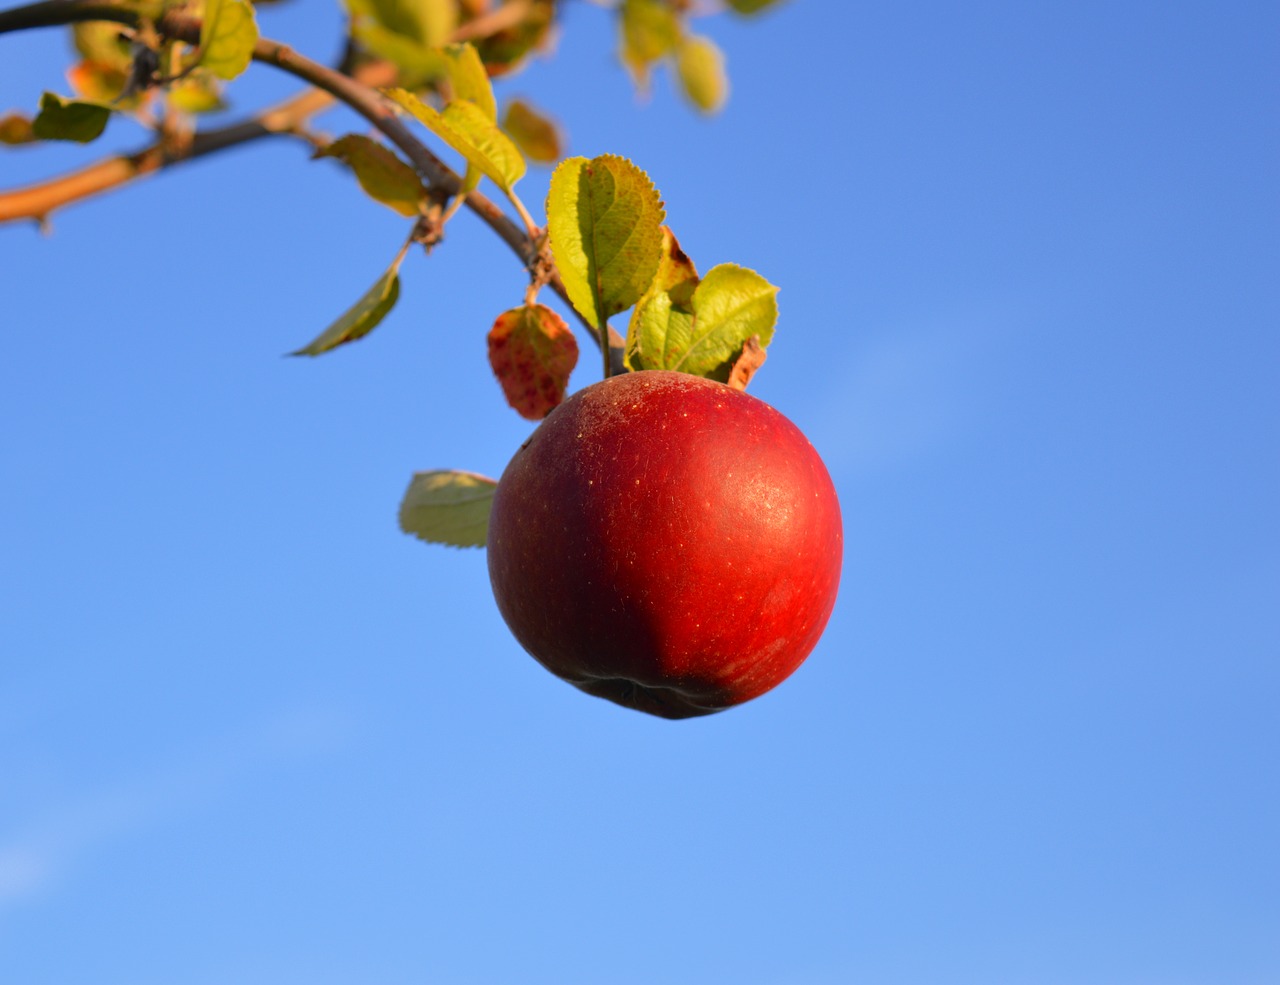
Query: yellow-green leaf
[[197, 93], [656, 320], [505, 50], [700, 65], [706, 336], [650, 31], [458, 65], [675, 281], [448, 507], [605, 222], [536, 135], [362, 317], [102, 42], [418, 64], [383, 176], [468, 78], [429, 22], [467, 129], [750, 6], [69, 119], [227, 36], [16, 129]]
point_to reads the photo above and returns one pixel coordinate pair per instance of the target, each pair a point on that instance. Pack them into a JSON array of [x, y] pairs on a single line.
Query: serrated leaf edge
[[698, 340]]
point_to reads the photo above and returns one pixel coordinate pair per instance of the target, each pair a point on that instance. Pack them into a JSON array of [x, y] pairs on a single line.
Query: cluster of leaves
[[409, 33], [467, 123], [116, 72], [605, 220], [607, 241], [605, 236], [654, 32], [121, 71]]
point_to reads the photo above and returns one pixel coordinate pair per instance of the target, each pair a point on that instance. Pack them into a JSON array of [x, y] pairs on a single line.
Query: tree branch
[[56, 13], [40, 200], [364, 100]]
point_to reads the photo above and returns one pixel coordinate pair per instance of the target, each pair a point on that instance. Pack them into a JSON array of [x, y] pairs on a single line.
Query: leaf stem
[[454, 205], [412, 238], [604, 349], [530, 226]]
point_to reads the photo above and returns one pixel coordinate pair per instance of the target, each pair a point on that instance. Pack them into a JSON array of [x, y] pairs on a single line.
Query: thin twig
[[494, 22], [364, 100], [39, 201], [55, 13]]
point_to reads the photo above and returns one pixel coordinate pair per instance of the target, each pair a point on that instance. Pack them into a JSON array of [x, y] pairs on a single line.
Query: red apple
[[666, 542]]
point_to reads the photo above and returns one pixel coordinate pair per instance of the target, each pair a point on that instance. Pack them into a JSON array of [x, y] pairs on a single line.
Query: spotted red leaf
[[532, 352]]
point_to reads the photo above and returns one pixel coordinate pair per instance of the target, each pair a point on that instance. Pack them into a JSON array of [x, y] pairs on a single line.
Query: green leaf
[[532, 352], [383, 176], [102, 42], [419, 65], [706, 335], [467, 129], [227, 36], [656, 320], [677, 277], [429, 22], [362, 317], [448, 507], [505, 50], [106, 83], [197, 93], [604, 218], [700, 65], [469, 79], [650, 31], [16, 129], [458, 65], [750, 6], [535, 134], [69, 119]]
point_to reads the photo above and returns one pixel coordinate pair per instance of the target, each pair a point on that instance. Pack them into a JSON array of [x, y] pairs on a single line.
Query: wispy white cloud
[[38, 854], [24, 870], [32, 861], [911, 391]]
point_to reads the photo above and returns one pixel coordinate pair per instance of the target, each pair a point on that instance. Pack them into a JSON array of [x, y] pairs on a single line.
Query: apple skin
[[666, 542]]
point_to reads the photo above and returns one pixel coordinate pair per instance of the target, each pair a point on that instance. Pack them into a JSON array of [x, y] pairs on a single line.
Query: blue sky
[[250, 732]]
